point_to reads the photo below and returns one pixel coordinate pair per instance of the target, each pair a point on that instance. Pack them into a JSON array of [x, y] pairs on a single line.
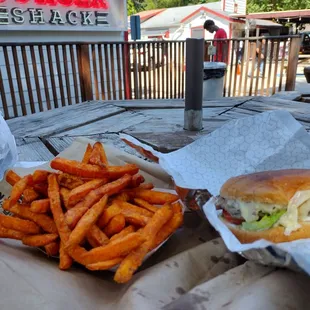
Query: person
[[260, 56], [221, 46]]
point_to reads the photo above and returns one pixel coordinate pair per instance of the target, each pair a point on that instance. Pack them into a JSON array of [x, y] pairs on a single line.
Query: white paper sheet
[[267, 141]]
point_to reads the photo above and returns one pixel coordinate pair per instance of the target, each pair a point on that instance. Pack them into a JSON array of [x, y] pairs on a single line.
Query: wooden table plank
[[176, 103], [32, 149], [61, 119], [288, 95], [162, 120], [301, 111], [239, 113], [113, 124]]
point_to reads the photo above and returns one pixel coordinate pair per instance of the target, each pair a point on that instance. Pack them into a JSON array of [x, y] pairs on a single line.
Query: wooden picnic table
[[158, 123]]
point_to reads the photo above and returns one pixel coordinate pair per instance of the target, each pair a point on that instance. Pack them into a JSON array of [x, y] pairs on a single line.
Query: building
[[53, 21], [184, 22], [180, 23]]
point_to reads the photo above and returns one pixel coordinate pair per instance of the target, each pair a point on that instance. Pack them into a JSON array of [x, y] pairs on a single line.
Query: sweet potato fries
[[90, 212]]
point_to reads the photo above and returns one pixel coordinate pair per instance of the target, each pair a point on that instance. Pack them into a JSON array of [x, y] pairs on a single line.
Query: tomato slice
[[231, 219]]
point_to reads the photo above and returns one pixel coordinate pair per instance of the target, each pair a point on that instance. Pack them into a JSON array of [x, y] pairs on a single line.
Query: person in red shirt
[[221, 46]]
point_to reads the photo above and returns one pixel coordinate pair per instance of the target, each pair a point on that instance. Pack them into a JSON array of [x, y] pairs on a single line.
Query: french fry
[[126, 231], [39, 240], [78, 253], [177, 207], [73, 216], [103, 155], [131, 263], [116, 225], [44, 221], [108, 214], [98, 156], [144, 204], [153, 197], [96, 237], [122, 196], [87, 154], [79, 169], [146, 186], [81, 191], [40, 176], [29, 195], [130, 207], [52, 249], [65, 260], [107, 189], [170, 227], [12, 177], [116, 172], [134, 259], [69, 181], [105, 265], [6, 204], [55, 205], [40, 206], [135, 218], [11, 233], [19, 188], [162, 216], [118, 248], [86, 222], [25, 226], [142, 151], [136, 181], [64, 195], [41, 188]]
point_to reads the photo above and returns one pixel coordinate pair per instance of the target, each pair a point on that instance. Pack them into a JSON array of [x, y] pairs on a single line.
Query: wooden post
[[85, 72], [292, 64], [194, 82], [127, 67]]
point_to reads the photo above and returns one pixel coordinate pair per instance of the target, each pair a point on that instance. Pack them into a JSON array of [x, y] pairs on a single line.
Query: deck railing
[[35, 77]]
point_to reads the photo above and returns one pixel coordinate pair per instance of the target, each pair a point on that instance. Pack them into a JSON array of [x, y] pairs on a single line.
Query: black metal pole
[[194, 82]]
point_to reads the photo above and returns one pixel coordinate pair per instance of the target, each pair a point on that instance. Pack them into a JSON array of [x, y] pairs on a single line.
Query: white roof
[[174, 16]]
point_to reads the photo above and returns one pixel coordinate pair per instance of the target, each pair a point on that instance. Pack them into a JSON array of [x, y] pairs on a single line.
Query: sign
[[135, 27], [82, 15]]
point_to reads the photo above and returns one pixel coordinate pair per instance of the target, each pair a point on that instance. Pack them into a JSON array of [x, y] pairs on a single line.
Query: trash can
[[307, 74], [213, 80]]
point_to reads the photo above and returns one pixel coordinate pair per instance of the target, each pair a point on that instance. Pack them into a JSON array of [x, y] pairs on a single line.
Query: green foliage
[[134, 7], [276, 5], [253, 6]]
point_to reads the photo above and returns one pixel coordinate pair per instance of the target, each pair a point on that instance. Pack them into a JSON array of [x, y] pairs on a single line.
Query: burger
[[270, 205]]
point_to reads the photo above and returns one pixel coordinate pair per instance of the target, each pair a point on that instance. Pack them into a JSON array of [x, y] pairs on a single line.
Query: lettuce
[[266, 222]]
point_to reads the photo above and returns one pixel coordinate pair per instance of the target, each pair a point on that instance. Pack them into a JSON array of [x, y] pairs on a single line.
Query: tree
[[255, 6], [135, 6], [160, 4]]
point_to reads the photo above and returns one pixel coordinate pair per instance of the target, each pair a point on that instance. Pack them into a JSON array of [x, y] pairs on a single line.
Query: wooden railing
[[35, 77], [259, 66]]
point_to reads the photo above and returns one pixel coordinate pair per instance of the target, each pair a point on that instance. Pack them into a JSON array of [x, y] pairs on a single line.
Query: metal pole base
[[193, 120]]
